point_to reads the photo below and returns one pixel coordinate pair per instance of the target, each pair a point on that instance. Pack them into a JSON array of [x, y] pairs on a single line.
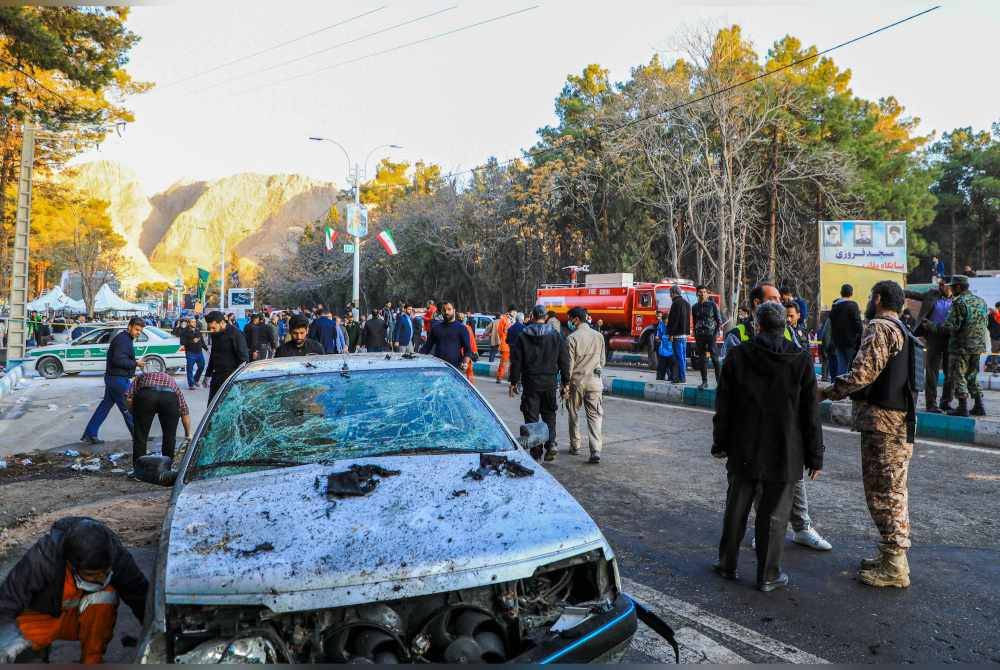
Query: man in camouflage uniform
[[969, 338], [886, 433]]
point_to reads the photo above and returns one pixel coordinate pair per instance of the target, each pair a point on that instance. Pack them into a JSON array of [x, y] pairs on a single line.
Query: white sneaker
[[810, 538]]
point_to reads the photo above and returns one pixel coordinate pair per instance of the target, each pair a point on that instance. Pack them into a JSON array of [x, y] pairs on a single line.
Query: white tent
[[107, 301], [56, 300]]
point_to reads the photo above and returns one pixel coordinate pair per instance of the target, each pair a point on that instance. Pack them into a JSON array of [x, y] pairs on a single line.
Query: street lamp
[[358, 175]]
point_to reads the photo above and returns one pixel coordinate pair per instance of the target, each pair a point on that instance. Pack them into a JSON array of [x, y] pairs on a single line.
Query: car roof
[[305, 365]]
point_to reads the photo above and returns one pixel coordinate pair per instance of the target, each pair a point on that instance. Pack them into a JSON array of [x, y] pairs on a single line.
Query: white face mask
[[91, 587]]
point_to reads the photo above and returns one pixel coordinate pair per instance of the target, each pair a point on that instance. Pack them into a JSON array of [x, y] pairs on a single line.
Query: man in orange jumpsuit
[[502, 326], [475, 348], [67, 587]]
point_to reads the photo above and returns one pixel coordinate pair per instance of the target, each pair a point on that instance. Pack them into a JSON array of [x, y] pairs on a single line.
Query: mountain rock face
[[250, 214], [187, 225], [128, 208]]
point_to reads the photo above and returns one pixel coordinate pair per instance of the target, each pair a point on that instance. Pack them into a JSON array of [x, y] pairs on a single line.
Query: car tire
[[154, 364], [49, 367]]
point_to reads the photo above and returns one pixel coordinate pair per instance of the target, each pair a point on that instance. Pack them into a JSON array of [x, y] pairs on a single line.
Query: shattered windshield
[[299, 419]]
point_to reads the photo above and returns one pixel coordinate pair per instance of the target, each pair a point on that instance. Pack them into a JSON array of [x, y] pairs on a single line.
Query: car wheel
[[49, 367], [154, 365]]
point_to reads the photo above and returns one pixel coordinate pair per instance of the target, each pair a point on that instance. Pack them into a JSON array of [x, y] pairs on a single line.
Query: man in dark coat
[[119, 368], [299, 344], [324, 331], [449, 339], [845, 331], [537, 356], [935, 306], [373, 334], [229, 351], [67, 587], [767, 426], [678, 328]]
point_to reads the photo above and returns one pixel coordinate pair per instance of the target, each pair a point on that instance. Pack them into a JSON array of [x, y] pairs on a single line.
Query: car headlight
[[251, 649]]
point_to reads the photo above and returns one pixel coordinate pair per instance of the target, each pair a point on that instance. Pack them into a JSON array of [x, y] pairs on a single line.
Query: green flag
[[202, 284]]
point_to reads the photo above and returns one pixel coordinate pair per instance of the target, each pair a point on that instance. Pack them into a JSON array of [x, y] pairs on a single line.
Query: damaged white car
[[353, 509]]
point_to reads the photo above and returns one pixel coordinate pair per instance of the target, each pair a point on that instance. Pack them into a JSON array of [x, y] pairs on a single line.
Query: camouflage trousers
[[964, 372], [885, 464]]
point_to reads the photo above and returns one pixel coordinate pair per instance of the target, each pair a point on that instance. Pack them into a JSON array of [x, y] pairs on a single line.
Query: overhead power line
[[390, 50], [325, 50], [270, 48], [726, 89]]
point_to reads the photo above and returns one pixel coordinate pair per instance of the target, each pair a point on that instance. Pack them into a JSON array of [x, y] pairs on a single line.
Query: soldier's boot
[[962, 409], [893, 571], [977, 408], [945, 405], [870, 563]]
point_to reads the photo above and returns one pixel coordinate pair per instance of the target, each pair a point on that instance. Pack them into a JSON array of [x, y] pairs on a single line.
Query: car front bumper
[[601, 638]]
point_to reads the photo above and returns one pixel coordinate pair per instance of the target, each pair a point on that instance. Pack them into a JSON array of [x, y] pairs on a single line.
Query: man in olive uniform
[[968, 338], [884, 401], [586, 360]]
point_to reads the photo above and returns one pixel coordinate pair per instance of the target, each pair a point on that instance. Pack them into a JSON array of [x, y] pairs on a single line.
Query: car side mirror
[[155, 470], [533, 434]]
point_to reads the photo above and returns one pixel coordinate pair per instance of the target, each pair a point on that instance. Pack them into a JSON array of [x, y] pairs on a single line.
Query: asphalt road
[[658, 496]]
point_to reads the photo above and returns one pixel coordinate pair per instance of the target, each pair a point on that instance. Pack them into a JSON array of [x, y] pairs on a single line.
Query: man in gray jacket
[[587, 358]]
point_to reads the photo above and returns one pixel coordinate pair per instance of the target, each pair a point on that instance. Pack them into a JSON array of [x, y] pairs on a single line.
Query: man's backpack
[[917, 357]]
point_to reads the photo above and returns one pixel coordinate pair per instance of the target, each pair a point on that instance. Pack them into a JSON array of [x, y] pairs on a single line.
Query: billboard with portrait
[[860, 253]]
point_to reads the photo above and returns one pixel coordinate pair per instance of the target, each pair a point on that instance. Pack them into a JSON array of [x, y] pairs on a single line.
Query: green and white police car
[[88, 353]]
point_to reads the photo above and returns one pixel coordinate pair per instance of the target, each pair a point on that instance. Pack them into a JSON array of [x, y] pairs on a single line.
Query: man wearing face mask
[[67, 587]]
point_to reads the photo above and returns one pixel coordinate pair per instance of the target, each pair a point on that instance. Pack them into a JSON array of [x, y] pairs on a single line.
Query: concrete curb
[[10, 379], [931, 426]]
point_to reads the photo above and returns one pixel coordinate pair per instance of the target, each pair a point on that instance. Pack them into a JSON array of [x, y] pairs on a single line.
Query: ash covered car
[[353, 509]]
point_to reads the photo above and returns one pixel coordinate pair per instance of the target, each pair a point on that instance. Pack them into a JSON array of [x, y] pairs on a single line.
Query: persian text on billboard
[[879, 245]]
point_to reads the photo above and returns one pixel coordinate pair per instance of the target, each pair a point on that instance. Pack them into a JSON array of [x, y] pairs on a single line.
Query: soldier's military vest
[[892, 389]]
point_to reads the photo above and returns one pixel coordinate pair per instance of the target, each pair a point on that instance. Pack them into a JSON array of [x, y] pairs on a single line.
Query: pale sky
[[484, 91]]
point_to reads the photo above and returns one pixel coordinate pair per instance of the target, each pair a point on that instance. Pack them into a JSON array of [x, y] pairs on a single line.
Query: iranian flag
[[389, 244], [330, 235]]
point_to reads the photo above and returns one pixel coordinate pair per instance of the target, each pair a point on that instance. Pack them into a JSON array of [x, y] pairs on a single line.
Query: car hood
[[272, 537]]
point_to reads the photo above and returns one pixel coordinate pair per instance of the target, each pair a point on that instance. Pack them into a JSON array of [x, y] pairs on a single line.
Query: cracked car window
[[328, 416]]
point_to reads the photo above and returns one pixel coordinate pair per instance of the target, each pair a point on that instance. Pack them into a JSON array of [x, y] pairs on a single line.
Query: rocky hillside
[[186, 225]]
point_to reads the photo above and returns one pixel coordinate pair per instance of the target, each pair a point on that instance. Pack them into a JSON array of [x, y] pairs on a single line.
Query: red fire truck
[[629, 310]]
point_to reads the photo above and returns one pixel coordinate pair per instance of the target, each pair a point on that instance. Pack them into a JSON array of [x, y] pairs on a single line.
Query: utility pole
[[17, 324], [356, 286]]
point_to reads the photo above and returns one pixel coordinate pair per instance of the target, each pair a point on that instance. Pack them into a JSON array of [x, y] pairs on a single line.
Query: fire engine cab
[[628, 309]]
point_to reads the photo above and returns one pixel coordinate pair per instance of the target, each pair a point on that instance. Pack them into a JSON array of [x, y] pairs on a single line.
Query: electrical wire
[[390, 50], [532, 153], [324, 50], [269, 49]]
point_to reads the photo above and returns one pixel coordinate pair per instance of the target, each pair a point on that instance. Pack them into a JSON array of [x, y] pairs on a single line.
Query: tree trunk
[[772, 257], [954, 259]]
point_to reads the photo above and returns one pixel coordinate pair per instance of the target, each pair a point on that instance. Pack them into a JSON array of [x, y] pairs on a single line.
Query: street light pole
[[356, 176]]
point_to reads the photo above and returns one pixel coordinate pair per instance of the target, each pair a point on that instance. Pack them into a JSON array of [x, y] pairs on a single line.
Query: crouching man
[[67, 588]]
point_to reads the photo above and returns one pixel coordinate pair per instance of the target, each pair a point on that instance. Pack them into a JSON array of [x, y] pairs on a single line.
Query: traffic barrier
[[930, 426]]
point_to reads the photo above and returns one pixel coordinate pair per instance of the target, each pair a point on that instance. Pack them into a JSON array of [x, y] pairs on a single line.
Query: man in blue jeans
[[194, 353], [120, 368]]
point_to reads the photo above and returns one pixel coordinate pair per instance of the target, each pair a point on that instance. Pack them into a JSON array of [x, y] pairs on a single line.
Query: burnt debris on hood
[[357, 480], [497, 465]]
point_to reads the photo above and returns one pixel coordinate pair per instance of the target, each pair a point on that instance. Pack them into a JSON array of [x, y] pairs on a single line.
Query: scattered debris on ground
[[358, 480], [497, 465], [259, 549], [459, 493]]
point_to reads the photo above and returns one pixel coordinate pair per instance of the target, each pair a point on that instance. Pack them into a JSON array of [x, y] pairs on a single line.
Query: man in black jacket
[[449, 339], [678, 328], [119, 368], [536, 357], [707, 323], [845, 330], [194, 352], [373, 334], [67, 588], [299, 344], [229, 351], [767, 427]]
